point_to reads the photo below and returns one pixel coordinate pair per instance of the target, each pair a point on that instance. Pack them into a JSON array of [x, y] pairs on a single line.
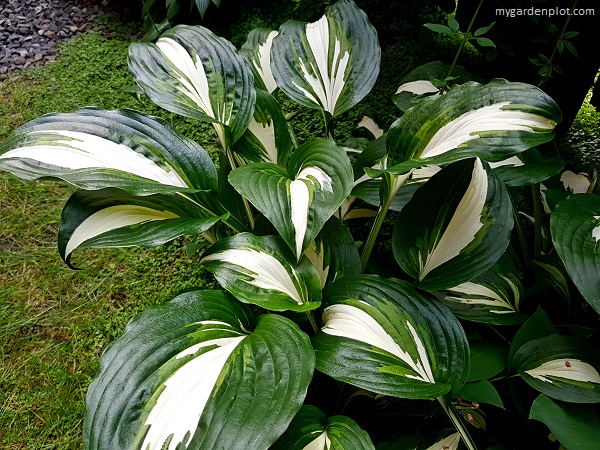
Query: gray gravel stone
[[31, 29]]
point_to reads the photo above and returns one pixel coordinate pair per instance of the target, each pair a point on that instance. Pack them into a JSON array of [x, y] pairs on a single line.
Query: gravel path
[[30, 30]]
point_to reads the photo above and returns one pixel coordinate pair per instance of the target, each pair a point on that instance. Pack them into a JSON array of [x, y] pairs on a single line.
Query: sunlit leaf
[[492, 121]]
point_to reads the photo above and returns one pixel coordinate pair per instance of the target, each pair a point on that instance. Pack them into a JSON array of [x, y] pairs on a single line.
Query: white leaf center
[[354, 323], [463, 226], [569, 369], [111, 218], [268, 271], [76, 150], [300, 200], [179, 406], [489, 118]]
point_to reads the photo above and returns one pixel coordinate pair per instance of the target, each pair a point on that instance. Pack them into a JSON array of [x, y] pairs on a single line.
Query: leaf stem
[[464, 41], [458, 423], [519, 230], [312, 321], [537, 216]]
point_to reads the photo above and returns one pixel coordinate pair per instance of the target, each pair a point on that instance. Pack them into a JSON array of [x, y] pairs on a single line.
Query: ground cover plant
[[309, 343]]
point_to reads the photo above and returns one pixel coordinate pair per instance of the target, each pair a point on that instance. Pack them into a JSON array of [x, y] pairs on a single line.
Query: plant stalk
[[458, 424], [464, 41], [519, 230], [312, 321], [396, 182], [537, 216]]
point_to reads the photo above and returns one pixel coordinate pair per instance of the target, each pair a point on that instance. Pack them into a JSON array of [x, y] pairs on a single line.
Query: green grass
[[54, 321]]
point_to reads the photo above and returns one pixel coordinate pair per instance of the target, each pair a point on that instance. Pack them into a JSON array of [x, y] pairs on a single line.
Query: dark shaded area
[[524, 36]]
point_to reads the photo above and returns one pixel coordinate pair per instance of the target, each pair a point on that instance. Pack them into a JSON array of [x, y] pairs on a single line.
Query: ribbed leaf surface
[[110, 218], [492, 121], [94, 149], [455, 227], [383, 335], [263, 271], [575, 229], [298, 202], [199, 372], [330, 64], [192, 72]]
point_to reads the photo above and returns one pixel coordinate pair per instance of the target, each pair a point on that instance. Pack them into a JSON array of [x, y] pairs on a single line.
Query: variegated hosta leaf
[[492, 121], [383, 335], [94, 149], [455, 226], [110, 218], [562, 367], [333, 252], [370, 190], [267, 138], [418, 82], [330, 64], [492, 297], [298, 202], [257, 50], [263, 271], [575, 229], [311, 429], [199, 372], [192, 72], [527, 168]]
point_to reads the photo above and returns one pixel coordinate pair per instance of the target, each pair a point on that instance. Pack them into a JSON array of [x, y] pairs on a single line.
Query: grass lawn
[[55, 322]]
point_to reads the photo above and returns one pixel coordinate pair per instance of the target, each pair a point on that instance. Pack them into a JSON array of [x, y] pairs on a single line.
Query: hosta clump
[[236, 368]]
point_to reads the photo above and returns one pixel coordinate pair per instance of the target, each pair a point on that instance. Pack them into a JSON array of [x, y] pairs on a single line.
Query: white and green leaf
[[311, 429], [333, 253], [385, 336], [491, 121], [455, 227], [493, 297], [110, 218], [192, 72], [267, 138], [330, 64], [527, 168], [94, 149], [562, 367], [257, 50], [300, 200], [263, 271], [178, 377], [575, 230]]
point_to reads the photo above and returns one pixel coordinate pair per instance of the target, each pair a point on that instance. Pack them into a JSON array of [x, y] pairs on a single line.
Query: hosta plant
[[309, 345]]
